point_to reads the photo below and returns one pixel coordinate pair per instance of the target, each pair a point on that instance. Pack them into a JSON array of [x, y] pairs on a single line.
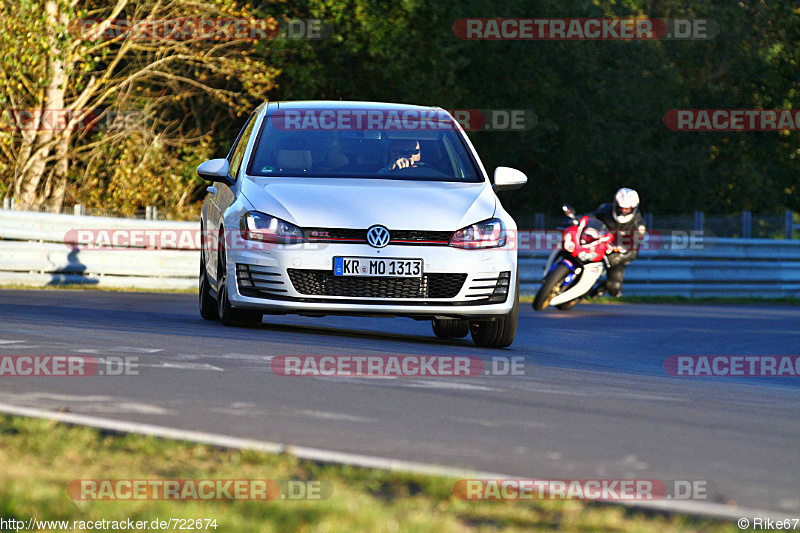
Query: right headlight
[[265, 228], [487, 234]]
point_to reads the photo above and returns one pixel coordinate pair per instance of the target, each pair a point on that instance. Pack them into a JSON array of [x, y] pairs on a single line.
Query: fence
[[700, 267], [36, 249], [745, 225], [33, 251]]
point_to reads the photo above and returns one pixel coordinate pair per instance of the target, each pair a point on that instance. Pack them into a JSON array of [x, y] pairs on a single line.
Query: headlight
[[266, 228], [487, 234], [569, 245]]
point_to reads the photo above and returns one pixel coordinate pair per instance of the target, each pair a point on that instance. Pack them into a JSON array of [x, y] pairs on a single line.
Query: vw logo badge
[[378, 236]]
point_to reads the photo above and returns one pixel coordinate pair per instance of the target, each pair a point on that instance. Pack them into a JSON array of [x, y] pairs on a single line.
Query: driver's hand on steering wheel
[[402, 162]]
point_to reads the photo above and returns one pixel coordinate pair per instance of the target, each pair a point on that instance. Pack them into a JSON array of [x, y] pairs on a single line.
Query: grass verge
[[41, 457], [90, 287], [608, 300]]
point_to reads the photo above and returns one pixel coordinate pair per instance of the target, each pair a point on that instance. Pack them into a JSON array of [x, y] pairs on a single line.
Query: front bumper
[[263, 281]]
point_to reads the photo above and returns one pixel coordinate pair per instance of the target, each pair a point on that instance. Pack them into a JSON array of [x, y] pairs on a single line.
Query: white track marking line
[[327, 456], [184, 366], [324, 415], [447, 385]]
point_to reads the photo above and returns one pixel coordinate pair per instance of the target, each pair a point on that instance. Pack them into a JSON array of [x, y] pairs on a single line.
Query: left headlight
[[487, 234], [260, 227]]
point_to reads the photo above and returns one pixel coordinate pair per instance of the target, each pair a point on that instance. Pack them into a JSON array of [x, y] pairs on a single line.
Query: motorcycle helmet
[[626, 204]]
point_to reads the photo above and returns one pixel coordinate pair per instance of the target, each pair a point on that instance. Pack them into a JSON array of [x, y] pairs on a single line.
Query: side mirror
[[568, 210], [215, 170], [508, 179]]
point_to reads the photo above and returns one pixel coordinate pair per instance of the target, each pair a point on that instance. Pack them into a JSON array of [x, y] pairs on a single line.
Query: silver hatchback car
[[359, 208]]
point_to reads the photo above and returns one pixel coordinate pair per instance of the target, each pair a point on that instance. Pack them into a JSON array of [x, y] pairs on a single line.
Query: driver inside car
[[405, 153]]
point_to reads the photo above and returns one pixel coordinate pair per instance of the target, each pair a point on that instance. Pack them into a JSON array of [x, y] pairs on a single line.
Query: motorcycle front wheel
[[550, 287], [566, 306]]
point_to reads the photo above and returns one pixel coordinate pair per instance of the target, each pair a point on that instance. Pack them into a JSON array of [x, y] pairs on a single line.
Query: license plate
[[382, 268]]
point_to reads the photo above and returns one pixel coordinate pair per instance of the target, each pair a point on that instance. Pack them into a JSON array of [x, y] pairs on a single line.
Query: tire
[[500, 332], [228, 315], [450, 328], [566, 306], [550, 287], [208, 305]]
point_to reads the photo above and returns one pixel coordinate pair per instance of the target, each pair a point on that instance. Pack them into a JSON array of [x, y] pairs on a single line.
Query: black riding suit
[[627, 238]]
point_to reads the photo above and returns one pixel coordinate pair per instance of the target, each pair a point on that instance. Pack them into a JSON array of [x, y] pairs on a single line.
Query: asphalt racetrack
[[595, 400]]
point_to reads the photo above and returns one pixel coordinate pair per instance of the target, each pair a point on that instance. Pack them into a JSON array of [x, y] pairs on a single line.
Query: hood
[[360, 203]]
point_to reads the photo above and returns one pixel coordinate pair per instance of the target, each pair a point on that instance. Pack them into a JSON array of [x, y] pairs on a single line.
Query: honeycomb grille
[[324, 283]]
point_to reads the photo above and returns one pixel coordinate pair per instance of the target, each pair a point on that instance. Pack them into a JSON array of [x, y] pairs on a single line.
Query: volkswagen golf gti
[[364, 209]]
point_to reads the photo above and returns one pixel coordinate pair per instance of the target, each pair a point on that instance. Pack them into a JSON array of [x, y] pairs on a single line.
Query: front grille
[[399, 237], [324, 283], [335, 234], [424, 237]]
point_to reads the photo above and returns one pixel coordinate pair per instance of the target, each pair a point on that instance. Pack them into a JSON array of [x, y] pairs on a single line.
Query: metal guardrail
[[763, 268], [33, 251]]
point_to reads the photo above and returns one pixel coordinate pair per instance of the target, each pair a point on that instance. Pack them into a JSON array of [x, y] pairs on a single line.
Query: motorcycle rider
[[626, 223]]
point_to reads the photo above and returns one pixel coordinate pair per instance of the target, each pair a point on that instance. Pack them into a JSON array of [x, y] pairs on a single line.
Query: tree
[[65, 55]]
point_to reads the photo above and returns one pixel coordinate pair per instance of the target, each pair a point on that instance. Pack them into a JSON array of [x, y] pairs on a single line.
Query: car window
[[362, 153], [241, 145]]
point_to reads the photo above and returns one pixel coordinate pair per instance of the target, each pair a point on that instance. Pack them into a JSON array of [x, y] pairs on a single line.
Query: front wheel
[[208, 307], [500, 332], [450, 328], [550, 287], [228, 315], [566, 306]]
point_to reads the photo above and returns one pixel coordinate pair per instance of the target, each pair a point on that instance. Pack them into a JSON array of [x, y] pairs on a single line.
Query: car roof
[[345, 104]]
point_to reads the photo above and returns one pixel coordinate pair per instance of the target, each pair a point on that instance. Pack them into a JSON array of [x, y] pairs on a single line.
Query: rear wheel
[[228, 315], [450, 328], [550, 287], [500, 332]]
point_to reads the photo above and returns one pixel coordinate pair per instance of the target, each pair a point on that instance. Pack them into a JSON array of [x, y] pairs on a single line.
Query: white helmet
[[626, 203]]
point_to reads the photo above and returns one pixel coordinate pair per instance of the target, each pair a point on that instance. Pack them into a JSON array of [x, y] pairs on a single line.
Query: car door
[[224, 196]]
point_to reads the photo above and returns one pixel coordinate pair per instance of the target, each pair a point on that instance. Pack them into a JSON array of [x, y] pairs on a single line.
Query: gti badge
[[378, 236]]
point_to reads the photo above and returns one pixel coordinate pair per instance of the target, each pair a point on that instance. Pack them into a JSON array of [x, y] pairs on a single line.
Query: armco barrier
[[763, 268], [33, 252]]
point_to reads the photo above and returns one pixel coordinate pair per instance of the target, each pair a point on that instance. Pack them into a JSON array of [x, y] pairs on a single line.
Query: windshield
[[414, 152], [596, 224]]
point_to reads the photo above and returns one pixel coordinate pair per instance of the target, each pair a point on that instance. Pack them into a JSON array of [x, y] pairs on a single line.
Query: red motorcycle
[[578, 265]]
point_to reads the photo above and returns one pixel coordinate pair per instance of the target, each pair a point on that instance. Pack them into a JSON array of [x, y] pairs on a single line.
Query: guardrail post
[[789, 225], [538, 221], [150, 212], [648, 220], [79, 209], [698, 221], [6, 203], [747, 219]]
